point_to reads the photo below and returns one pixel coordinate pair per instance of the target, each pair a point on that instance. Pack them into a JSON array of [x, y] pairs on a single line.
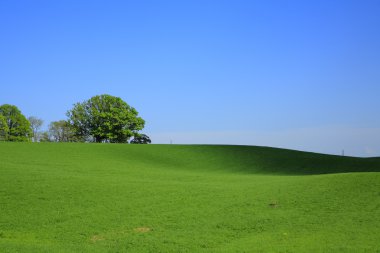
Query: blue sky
[[294, 74]]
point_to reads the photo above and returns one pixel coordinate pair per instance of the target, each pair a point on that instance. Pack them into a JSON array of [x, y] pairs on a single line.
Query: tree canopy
[[3, 129], [60, 131], [141, 139], [105, 118], [35, 125], [18, 126]]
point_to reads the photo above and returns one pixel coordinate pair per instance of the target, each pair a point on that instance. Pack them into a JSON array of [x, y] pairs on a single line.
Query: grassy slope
[[104, 198]]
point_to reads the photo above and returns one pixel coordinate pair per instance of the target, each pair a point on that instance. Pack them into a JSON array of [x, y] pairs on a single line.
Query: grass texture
[[71, 197]]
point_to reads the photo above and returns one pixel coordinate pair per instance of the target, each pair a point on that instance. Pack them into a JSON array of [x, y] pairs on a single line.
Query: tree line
[[101, 119]]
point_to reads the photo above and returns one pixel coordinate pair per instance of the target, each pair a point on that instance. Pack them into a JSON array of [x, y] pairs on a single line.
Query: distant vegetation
[[102, 118]]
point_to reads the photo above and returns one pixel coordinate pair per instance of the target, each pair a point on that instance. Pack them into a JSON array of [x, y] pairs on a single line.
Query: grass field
[[62, 197]]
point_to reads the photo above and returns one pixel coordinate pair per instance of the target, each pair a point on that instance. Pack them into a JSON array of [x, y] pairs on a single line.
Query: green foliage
[[141, 139], [3, 128], [18, 126], [35, 125], [61, 131], [73, 197], [45, 137], [105, 118]]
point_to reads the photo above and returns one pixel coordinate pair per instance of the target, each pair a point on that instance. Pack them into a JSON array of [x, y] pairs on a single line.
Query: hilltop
[[75, 197]]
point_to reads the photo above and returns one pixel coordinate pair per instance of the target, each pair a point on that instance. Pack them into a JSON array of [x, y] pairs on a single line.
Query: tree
[[45, 137], [35, 125], [60, 131], [105, 118], [3, 128], [18, 125], [141, 139]]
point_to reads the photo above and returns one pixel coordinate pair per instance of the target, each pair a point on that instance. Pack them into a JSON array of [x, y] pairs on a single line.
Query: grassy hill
[[62, 197]]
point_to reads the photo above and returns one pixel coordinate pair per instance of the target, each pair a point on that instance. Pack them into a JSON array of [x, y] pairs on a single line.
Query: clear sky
[[295, 74]]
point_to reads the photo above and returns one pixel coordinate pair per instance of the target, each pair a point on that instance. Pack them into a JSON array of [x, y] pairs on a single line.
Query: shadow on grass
[[264, 160], [267, 160]]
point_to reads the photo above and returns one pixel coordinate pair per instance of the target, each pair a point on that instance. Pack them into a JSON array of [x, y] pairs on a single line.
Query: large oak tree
[[105, 118]]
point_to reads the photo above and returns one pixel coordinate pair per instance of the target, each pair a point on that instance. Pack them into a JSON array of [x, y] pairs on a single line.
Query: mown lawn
[[70, 197]]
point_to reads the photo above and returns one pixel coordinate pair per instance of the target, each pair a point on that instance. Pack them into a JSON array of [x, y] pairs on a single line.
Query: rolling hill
[[73, 197]]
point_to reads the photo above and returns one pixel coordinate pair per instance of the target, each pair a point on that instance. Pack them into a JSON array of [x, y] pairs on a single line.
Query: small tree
[[105, 118], [35, 125], [61, 131], [18, 125], [45, 137], [141, 139]]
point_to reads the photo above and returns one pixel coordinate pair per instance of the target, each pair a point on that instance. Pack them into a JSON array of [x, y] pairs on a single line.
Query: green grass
[[57, 197]]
